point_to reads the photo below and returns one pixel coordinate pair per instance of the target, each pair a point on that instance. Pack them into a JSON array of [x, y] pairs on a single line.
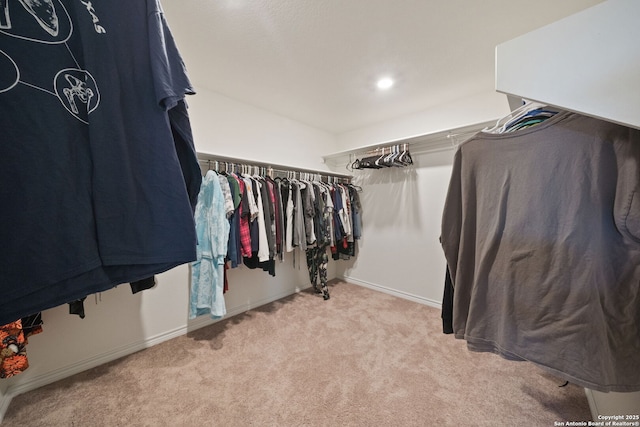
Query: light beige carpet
[[362, 358]]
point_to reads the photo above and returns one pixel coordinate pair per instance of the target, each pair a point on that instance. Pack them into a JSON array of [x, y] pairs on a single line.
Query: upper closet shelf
[[208, 157], [420, 144], [588, 63]]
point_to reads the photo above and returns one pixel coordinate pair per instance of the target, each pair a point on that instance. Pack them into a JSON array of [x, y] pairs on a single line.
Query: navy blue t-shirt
[[92, 187]]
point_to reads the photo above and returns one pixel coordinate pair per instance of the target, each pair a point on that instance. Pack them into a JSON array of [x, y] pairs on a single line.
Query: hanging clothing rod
[[386, 149], [212, 158]]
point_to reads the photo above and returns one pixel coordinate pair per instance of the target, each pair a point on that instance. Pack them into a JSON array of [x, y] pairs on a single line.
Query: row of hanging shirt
[[252, 220]]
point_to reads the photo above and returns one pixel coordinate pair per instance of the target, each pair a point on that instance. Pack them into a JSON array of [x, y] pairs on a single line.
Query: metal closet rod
[[211, 158], [382, 149]]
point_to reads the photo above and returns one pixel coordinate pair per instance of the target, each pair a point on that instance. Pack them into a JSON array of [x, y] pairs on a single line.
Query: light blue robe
[[207, 272]]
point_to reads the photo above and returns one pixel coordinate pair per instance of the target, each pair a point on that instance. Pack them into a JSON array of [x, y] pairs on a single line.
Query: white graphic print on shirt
[[51, 25]]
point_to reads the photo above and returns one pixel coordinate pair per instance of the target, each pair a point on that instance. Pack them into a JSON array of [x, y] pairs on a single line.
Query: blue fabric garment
[[207, 272], [93, 193]]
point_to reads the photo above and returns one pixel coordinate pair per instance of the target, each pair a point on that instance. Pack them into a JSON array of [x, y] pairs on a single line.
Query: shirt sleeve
[[452, 218], [167, 67], [626, 145]]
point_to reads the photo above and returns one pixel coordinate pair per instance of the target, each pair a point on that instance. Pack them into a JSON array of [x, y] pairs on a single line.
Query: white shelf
[[588, 63], [206, 157], [419, 144]]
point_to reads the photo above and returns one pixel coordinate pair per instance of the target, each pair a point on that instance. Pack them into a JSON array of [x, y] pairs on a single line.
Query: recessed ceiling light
[[385, 83]]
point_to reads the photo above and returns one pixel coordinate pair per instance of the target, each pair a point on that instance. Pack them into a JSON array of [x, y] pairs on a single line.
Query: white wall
[[115, 325], [474, 109], [227, 127], [399, 252], [122, 323]]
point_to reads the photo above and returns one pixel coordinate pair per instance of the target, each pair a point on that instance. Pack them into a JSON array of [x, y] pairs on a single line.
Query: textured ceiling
[[317, 61]]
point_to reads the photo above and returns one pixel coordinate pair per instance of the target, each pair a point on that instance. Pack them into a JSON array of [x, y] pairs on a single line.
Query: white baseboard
[[593, 407], [202, 321], [394, 292], [612, 403], [5, 400], [92, 362]]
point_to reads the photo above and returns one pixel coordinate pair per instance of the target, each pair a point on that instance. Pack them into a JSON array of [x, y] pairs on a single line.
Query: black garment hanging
[[447, 305]]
